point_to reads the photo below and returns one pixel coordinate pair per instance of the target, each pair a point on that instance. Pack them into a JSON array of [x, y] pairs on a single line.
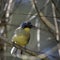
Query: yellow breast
[[23, 38], [27, 29]]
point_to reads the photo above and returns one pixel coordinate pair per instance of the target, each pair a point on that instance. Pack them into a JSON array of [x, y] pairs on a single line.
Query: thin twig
[[5, 40], [44, 19], [56, 27]]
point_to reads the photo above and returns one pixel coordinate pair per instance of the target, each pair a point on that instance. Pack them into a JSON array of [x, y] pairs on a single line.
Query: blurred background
[[43, 40]]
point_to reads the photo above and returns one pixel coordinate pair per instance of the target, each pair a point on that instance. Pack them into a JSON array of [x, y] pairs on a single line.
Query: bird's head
[[27, 25]]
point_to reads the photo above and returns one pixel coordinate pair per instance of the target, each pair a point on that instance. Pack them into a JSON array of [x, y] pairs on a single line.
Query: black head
[[26, 24]]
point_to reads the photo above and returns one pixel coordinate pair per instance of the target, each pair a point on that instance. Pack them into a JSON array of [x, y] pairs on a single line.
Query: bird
[[21, 36]]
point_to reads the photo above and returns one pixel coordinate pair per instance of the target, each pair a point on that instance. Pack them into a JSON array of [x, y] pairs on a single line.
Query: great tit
[[21, 36]]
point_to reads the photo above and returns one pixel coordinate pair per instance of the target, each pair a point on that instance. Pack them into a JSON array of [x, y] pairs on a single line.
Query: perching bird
[[22, 35]]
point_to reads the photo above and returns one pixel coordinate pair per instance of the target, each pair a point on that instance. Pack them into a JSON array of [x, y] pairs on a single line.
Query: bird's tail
[[14, 51]]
